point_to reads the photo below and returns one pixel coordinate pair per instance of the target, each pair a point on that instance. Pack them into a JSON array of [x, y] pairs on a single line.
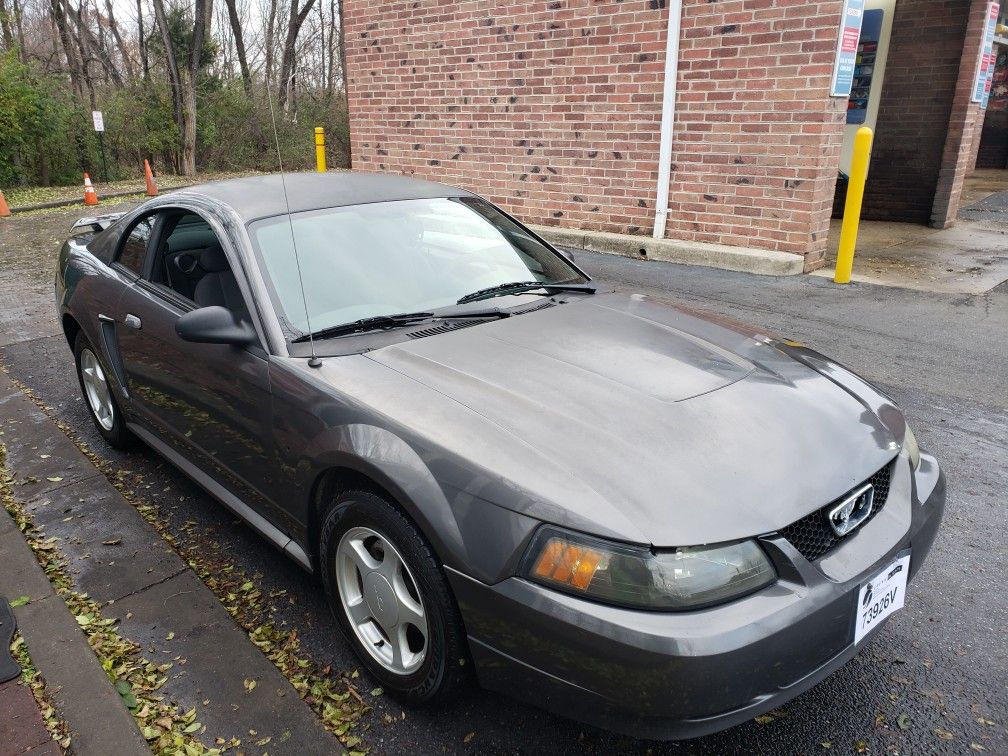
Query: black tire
[[445, 667], [118, 435]]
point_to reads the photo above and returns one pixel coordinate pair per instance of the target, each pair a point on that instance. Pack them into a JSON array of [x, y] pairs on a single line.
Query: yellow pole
[[320, 149], [852, 207]]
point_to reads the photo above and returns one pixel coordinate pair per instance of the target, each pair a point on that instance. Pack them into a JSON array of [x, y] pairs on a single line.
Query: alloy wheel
[[96, 389], [381, 600]]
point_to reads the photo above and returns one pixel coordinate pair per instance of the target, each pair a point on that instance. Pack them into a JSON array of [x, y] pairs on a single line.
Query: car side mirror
[[214, 325]]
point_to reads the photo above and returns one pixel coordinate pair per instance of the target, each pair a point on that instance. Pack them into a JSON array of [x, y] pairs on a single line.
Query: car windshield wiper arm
[[363, 325], [516, 287]]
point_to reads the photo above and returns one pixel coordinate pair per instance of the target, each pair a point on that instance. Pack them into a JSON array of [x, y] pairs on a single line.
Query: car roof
[[255, 197]]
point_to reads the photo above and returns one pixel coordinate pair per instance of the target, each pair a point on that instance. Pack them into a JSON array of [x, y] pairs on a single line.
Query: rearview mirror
[[214, 325]]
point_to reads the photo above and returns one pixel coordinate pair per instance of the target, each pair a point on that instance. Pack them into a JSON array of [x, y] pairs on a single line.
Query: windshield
[[405, 256]]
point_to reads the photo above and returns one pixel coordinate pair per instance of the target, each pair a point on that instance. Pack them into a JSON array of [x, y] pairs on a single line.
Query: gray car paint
[[614, 414]]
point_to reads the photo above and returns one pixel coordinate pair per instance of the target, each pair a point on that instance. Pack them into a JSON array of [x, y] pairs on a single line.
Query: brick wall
[[757, 136], [964, 126], [915, 109], [552, 109]]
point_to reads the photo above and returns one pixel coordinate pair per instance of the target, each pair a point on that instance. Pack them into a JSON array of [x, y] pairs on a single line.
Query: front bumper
[[683, 675]]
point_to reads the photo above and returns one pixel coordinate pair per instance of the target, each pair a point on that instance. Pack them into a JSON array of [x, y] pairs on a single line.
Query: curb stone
[[131, 572]]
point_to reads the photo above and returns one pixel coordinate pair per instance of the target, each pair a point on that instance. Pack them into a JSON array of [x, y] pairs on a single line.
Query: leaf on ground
[[170, 635], [469, 736], [54, 479], [377, 691], [20, 601], [112, 542], [903, 722], [861, 746], [765, 719], [250, 685], [943, 734], [977, 747], [827, 744]]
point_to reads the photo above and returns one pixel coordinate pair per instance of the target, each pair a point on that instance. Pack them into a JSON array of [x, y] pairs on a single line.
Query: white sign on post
[[99, 120]]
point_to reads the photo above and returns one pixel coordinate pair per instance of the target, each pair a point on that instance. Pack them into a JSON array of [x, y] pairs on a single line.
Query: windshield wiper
[[517, 287], [378, 322]]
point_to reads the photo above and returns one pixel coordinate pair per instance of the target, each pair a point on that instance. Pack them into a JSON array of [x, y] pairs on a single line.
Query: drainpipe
[[667, 117]]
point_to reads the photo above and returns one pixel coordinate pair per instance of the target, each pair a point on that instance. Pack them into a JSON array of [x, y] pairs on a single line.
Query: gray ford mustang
[[617, 508]]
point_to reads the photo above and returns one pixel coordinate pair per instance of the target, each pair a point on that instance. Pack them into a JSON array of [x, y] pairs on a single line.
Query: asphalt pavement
[[931, 680]]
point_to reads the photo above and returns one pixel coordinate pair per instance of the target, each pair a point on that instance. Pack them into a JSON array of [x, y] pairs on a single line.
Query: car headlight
[[910, 444], [635, 576]]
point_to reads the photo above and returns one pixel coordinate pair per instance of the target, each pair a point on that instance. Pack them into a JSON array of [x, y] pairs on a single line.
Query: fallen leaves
[[333, 697], [20, 601], [135, 679]]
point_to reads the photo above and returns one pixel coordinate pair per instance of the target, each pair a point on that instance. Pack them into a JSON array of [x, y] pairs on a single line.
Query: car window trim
[[228, 246], [124, 237]]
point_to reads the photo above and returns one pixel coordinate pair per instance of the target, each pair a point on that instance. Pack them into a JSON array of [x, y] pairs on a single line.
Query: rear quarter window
[[134, 249]]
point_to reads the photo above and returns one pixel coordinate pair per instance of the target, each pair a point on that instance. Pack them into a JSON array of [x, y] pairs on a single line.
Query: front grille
[[812, 534]]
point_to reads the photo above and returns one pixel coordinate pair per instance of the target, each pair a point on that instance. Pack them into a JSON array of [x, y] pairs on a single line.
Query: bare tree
[[268, 44], [239, 43], [114, 28], [142, 39], [288, 62]]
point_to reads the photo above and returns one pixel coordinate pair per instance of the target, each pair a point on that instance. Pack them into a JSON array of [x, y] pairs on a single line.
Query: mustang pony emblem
[[852, 511]]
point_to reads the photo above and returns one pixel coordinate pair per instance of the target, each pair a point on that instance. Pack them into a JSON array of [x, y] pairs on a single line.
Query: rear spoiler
[[94, 224]]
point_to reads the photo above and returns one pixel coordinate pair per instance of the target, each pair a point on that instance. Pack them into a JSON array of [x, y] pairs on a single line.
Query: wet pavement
[[931, 681]]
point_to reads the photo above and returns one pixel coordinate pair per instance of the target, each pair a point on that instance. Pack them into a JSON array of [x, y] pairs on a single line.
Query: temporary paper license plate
[[881, 596]]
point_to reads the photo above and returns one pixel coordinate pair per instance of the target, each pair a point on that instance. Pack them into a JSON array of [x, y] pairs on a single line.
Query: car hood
[[651, 422]]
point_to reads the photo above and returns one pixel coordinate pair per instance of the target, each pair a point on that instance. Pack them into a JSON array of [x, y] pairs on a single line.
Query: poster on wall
[[847, 48], [985, 61], [999, 81], [864, 66]]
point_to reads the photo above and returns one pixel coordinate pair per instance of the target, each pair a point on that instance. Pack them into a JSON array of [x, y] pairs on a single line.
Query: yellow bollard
[[320, 149], [852, 207]]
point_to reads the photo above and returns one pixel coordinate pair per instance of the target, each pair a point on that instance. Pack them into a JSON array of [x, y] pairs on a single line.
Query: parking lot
[[934, 680]]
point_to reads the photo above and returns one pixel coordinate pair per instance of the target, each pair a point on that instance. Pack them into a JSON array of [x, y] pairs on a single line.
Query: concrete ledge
[[760, 261]]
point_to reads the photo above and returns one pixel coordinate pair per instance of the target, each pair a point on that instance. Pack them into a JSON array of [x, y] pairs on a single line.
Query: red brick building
[[554, 110]]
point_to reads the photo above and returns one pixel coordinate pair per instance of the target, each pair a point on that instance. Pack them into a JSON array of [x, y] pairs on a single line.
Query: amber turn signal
[[568, 563]]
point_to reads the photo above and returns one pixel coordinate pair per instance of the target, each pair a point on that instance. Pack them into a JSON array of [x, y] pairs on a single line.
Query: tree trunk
[[5, 27], [239, 42], [114, 27], [171, 64], [268, 47], [201, 27], [73, 66], [287, 61], [188, 166], [142, 40], [19, 29]]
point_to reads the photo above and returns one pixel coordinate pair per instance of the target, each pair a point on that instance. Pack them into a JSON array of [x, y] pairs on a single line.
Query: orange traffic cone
[[149, 176], [4, 210], [90, 196]]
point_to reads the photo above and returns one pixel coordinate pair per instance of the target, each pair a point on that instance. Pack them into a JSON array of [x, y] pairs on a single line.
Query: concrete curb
[[105, 196], [80, 689], [745, 260], [143, 584]]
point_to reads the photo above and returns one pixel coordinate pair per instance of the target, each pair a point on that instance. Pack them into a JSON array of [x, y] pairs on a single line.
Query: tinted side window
[[134, 250]]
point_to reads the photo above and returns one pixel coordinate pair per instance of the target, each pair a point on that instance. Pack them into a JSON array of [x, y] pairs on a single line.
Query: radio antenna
[[314, 361]]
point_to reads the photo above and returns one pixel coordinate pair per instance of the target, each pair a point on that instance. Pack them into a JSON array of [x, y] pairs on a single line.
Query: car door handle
[[105, 318], [132, 321]]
